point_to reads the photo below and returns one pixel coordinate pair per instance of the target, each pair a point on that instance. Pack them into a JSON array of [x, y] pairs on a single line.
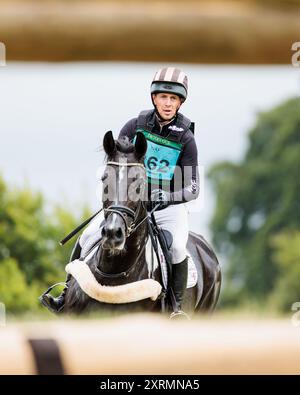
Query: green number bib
[[161, 157]]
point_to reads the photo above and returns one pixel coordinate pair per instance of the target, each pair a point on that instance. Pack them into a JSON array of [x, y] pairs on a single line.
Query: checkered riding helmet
[[170, 80]]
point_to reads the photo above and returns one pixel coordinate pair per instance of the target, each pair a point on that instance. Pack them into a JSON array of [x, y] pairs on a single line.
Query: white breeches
[[173, 218]]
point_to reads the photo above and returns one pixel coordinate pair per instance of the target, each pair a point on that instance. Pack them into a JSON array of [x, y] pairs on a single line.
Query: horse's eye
[[106, 189], [138, 190]]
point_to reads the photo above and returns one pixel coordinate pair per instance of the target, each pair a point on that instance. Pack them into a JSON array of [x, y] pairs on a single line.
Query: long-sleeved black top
[[188, 161]]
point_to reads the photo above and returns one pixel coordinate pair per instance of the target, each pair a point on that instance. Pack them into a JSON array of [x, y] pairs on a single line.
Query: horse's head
[[124, 181]]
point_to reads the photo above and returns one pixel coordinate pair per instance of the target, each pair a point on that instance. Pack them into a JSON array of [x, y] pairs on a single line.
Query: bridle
[[129, 229], [121, 210]]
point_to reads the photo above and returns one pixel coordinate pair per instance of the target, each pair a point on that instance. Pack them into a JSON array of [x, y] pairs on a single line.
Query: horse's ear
[[140, 146], [109, 144]]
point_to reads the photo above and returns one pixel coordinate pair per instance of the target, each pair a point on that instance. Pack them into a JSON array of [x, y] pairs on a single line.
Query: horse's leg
[[75, 299], [190, 299]]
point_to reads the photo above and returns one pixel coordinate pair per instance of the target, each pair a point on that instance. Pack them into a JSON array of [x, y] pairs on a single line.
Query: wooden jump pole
[[149, 344]]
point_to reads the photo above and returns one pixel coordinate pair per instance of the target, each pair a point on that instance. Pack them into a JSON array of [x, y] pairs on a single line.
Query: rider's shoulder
[[129, 128], [188, 138], [189, 134], [131, 122]]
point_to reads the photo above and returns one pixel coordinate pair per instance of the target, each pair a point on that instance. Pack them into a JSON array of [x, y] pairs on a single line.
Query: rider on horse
[[171, 155]]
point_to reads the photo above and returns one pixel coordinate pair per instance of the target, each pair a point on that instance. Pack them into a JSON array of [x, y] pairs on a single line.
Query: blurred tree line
[[30, 257], [256, 224]]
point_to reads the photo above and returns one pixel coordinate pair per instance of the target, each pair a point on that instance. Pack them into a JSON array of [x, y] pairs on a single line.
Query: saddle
[[162, 238]]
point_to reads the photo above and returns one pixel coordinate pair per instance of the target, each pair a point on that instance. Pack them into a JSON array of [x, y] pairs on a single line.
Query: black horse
[[118, 267]]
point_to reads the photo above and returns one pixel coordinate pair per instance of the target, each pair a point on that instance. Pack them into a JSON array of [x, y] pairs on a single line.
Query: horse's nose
[[113, 233]]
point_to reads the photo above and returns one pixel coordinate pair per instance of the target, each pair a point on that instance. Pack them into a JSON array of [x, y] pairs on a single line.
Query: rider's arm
[[129, 129], [189, 167]]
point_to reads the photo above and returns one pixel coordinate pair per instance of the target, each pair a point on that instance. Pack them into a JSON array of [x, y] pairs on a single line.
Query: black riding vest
[[146, 120], [163, 153]]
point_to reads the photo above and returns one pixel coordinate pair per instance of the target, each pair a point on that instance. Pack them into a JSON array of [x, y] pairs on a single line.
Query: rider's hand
[[161, 198]]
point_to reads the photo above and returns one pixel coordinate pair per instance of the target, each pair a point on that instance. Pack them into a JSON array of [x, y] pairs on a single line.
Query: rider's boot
[[56, 304], [178, 285]]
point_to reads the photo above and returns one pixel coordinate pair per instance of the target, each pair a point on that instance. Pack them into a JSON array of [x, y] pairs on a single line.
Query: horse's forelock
[[124, 145]]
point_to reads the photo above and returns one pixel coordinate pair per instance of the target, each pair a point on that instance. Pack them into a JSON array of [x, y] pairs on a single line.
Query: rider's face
[[167, 104]]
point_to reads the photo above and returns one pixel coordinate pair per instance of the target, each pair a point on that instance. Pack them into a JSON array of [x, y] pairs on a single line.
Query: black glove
[[158, 196]]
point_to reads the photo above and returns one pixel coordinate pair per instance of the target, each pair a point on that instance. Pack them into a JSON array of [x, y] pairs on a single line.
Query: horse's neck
[[134, 246]]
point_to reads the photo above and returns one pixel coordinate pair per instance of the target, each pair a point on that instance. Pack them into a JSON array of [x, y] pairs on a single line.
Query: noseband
[[121, 210]]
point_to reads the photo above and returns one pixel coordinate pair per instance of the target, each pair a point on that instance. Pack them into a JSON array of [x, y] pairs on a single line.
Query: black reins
[[116, 209]]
